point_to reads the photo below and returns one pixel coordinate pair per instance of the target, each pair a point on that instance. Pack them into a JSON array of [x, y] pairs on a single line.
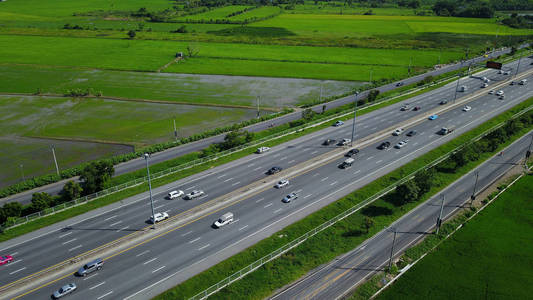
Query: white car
[[499, 93], [223, 220], [194, 194], [467, 108], [400, 144], [158, 217], [282, 183], [338, 123], [289, 197], [484, 85], [64, 290], [344, 142], [405, 107], [491, 92], [175, 194], [262, 150], [397, 132]]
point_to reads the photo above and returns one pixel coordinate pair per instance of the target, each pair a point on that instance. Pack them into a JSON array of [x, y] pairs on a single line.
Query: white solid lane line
[[70, 241], [116, 223], [149, 261], [229, 179], [333, 183], [259, 200], [203, 247], [64, 235], [370, 157], [195, 240], [243, 227], [158, 269], [93, 287], [110, 218], [72, 249], [17, 271], [270, 204], [277, 210], [186, 233], [142, 253], [236, 183], [222, 176], [106, 294], [324, 179], [379, 161]]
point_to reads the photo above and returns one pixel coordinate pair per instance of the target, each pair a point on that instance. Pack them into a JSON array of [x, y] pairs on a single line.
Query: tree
[[308, 114], [444, 8], [71, 190], [236, 138], [132, 34], [407, 192], [40, 201], [459, 157], [95, 175], [424, 180], [12, 209], [191, 51], [368, 223], [372, 95]]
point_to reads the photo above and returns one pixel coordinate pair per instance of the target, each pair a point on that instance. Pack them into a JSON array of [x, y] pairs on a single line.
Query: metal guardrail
[[297, 241]]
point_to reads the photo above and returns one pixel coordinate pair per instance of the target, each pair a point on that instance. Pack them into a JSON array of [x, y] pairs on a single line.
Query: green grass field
[[490, 258], [214, 14], [260, 12]]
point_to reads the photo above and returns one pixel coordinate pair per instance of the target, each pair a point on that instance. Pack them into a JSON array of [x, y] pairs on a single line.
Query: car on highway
[[344, 142], [274, 170], [484, 85], [443, 102], [289, 197], [399, 84], [158, 217], [501, 97], [499, 93], [411, 133], [90, 267], [485, 79], [282, 183], [194, 194], [5, 259], [467, 108], [64, 290], [223, 220], [522, 82], [328, 142], [405, 107], [491, 92], [500, 72], [400, 144], [433, 117], [352, 152], [512, 82], [175, 194], [506, 73], [262, 150], [397, 132], [417, 108], [384, 145], [338, 123]]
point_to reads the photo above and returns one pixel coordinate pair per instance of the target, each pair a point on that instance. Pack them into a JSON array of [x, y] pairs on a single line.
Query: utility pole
[[518, 67], [257, 102], [392, 249], [175, 131], [55, 160], [439, 219], [146, 156], [457, 87], [354, 115], [473, 197], [22, 171]]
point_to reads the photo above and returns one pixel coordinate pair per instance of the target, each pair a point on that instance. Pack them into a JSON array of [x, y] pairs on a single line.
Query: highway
[[338, 278], [196, 246], [136, 164]]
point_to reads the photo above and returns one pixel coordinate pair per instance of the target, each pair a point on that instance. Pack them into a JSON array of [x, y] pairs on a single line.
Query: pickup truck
[[446, 130]]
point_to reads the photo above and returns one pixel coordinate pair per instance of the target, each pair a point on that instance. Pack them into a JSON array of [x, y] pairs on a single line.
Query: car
[[384, 145], [411, 133], [90, 267], [485, 79], [352, 152], [405, 107], [512, 82], [158, 217], [194, 194], [344, 142], [484, 85], [328, 142], [262, 150], [175, 194], [289, 198], [338, 123], [397, 132], [443, 102], [499, 93], [501, 97], [223, 220], [274, 170], [64, 290], [506, 73], [5, 259], [491, 92], [416, 108], [467, 108], [500, 72], [282, 183], [433, 117], [399, 84], [400, 144]]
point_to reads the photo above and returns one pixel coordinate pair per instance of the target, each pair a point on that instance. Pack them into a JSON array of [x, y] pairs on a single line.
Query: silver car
[[194, 194], [64, 290]]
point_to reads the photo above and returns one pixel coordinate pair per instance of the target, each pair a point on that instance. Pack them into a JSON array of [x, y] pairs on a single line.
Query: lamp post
[[146, 156], [354, 115], [473, 197], [392, 248]]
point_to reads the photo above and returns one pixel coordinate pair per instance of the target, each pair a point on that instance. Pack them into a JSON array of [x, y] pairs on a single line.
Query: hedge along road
[[196, 246], [88, 234], [136, 164]]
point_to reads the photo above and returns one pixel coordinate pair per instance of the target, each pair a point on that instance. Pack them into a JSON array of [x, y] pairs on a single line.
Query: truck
[[446, 130]]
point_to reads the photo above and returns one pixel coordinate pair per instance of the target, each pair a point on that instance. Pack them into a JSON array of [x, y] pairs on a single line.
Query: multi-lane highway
[[339, 277], [178, 254], [136, 164]]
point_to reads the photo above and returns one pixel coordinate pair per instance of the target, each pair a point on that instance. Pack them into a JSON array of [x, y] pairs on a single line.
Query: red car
[[5, 259]]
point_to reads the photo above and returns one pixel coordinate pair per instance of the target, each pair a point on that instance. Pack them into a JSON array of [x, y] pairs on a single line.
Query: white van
[[522, 82], [347, 163], [262, 150], [223, 220]]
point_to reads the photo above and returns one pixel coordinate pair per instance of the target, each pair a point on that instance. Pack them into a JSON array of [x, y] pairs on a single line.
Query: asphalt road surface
[[136, 164], [179, 254], [339, 277]]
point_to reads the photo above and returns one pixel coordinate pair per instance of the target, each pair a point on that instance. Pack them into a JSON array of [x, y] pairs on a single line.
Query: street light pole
[[392, 249], [457, 87], [354, 115], [518, 66], [473, 197], [175, 131], [55, 160], [146, 156], [439, 219]]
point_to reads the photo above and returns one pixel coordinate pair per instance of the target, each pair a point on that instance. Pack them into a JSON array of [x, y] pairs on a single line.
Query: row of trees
[[459, 8], [93, 178]]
